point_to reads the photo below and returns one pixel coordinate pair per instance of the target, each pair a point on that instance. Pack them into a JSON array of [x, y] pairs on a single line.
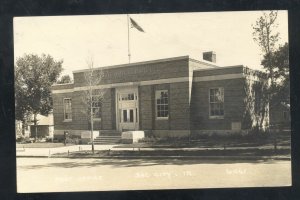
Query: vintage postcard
[[152, 101]]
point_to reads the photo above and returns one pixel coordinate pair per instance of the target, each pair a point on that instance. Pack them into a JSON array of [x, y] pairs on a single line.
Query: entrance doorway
[[127, 109]]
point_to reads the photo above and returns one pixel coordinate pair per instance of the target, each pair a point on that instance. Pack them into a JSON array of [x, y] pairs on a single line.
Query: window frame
[[127, 115], [157, 92], [69, 119], [126, 95], [100, 108], [209, 104]]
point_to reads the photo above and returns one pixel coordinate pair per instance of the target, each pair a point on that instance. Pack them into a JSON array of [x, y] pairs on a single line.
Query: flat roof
[[151, 62], [225, 67], [205, 62], [61, 84]]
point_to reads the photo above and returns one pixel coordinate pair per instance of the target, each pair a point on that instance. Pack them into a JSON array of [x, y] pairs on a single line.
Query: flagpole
[[128, 38]]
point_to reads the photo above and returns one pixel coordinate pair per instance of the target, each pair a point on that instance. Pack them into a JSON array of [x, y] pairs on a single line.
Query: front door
[[127, 106], [128, 119]]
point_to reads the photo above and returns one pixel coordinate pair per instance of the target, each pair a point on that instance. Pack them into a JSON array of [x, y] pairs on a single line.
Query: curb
[[32, 156], [170, 157]]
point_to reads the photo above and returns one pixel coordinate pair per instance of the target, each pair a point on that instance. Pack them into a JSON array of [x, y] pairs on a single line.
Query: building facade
[[168, 97]]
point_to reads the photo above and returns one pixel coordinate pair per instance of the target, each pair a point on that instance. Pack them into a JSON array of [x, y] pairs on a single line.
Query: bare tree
[[93, 96]]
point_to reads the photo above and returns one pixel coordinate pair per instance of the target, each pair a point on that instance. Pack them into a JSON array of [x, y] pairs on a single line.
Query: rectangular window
[[162, 104], [127, 97], [67, 109], [96, 106], [128, 116], [216, 102], [131, 115], [125, 116]]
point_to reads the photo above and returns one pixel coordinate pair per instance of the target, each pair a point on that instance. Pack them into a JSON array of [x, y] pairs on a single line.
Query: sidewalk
[[46, 152], [109, 151]]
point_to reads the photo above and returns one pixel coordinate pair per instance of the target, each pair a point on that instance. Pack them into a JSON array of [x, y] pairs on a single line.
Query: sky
[[74, 39]]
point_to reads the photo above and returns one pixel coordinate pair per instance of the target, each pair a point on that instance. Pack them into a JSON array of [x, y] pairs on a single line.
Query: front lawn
[[42, 145], [282, 140], [184, 153]]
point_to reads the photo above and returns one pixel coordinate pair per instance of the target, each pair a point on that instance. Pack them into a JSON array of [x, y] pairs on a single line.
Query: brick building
[[167, 97]]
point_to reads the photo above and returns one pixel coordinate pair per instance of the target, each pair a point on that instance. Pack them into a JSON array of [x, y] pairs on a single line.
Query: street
[[65, 174]]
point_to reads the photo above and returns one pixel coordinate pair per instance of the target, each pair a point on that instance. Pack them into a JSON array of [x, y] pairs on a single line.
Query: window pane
[[212, 92], [211, 112], [96, 112], [124, 115], [216, 99], [127, 97], [222, 112], [161, 103], [67, 109], [96, 106], [131, 115]]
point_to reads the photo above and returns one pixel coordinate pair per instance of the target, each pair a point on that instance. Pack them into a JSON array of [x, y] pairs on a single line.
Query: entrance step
[[108, 137], [110, 133]]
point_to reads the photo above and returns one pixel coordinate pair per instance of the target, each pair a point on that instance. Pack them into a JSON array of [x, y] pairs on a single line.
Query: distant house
[[22, 130], [169, 97], [45, 126]]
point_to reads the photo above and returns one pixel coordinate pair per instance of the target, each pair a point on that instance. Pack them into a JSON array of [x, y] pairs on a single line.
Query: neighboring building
[[22, 130], [167, 97], [45, 126]]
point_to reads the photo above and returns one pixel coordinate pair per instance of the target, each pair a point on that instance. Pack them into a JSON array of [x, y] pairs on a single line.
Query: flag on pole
[[135, 25]]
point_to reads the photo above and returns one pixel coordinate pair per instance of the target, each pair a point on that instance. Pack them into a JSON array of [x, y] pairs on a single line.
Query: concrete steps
[[110, 133], [108, 137]]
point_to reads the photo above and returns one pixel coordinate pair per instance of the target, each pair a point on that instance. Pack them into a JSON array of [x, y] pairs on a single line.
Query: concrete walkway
[[49, 151]]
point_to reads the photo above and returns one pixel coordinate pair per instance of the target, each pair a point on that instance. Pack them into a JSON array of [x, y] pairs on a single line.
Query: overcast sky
[[75, 38]]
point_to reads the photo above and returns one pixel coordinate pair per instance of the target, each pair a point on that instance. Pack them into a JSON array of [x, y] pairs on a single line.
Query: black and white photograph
[[119, 102]]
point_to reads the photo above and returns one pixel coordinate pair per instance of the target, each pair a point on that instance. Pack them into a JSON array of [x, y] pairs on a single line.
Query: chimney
[[209, 56]]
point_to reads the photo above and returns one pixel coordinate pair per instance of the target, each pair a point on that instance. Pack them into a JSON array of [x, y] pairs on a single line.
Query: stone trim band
[[152, 82]]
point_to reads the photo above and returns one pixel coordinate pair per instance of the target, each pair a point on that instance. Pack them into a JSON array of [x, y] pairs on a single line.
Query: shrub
[[49, 139], [23, 140], [149, 134], [147, 140], [20, 139], [74, 140]]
